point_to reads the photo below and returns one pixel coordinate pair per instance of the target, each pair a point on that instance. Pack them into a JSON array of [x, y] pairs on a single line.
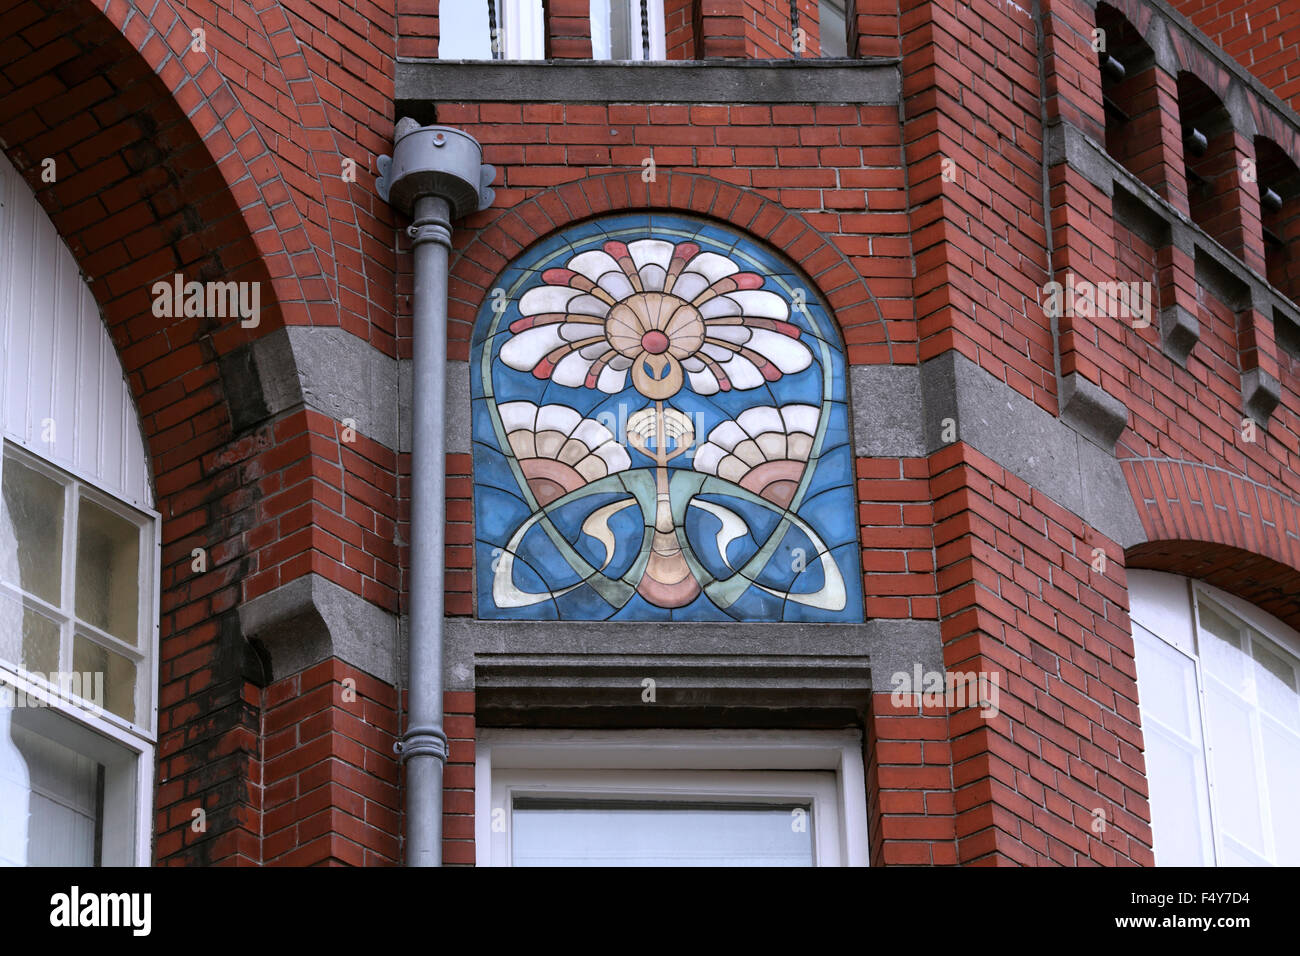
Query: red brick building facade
[[1014, 462]]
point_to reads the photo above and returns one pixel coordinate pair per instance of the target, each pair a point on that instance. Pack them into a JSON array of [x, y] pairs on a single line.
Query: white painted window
[[491, 30], [79, 546], [1219, 683], [628, 30], [670, 798]]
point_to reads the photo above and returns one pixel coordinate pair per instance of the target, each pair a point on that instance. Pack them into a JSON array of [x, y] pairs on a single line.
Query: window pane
[[1282, 764], [108, 572], [463, 31], [834, 28], [1175, 757], [522, 29], [27, 637], [52, 799], [1275, 682], [549, 832], [1233, 760], [31, 531], [119, 675]]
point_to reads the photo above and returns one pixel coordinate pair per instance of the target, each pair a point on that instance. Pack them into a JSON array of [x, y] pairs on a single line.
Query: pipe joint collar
[[430, 230], [422, 742]]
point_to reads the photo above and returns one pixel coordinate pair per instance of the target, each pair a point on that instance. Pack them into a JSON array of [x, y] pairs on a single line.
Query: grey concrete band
[[423, 82]]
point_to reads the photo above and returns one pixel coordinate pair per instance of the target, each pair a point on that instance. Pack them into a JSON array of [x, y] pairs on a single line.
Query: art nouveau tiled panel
[[661, 433]]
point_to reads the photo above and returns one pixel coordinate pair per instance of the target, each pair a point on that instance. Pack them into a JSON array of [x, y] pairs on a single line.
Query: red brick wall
[[923, 237], [1261, 35]]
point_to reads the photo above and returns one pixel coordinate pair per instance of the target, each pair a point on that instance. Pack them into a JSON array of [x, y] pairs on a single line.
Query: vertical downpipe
[[435, 175], [424, 749]]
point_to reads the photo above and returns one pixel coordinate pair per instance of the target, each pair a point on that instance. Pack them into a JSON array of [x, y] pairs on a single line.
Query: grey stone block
[[1261, 393], [1179, 333], [887, 411], [1092, 411], [311, 619]]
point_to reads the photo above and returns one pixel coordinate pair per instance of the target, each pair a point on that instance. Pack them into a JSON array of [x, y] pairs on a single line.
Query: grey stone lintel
[[421, 82], [592, 673]]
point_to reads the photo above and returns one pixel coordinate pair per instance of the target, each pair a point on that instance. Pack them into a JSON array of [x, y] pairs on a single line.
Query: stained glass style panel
[[661, 433]]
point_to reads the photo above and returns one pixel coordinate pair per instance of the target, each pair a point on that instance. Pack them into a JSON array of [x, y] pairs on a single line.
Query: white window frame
[[141, 736], [722, 765], [1167, 606]]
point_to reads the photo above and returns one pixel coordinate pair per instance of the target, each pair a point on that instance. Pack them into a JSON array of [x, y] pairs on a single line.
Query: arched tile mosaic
[[661, 433]]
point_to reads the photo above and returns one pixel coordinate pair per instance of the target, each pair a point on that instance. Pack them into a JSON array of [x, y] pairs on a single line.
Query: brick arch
[[1212, 524], [159, 170], [498, 243]]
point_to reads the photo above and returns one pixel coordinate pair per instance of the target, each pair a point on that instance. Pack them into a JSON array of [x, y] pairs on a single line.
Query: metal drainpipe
[[436, 175]]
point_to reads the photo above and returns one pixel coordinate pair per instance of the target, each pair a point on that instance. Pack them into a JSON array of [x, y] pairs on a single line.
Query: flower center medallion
[[654, 342]]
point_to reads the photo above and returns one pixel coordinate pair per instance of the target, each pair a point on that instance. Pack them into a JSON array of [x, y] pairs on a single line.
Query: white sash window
[[79, 576], [1219, 683]]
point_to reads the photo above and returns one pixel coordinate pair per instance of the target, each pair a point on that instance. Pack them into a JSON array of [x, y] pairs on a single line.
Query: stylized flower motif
[[558, 449], [765, 450], [668, 313]]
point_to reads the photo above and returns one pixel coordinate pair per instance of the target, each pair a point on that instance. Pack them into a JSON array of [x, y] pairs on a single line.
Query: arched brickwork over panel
[[1208, 523], [864, 330]]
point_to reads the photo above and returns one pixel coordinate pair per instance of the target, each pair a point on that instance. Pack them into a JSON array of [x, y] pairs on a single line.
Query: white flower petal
[[652, 278], [703, 382], [517, 415], [577, 331], [761, 304], [693, 364], [558, 418], [588, 305], [759, 419], [712, 266], [592, 433], [612, 380], [614, 455], [593, 264], [743, 373], [616, 284], [572, 370], [727, 435], [525, 350], [801, 418], [655, 251], [787, 354], [707, 457], [738, 334], [720, 306], [547, 298], [689, 285]]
